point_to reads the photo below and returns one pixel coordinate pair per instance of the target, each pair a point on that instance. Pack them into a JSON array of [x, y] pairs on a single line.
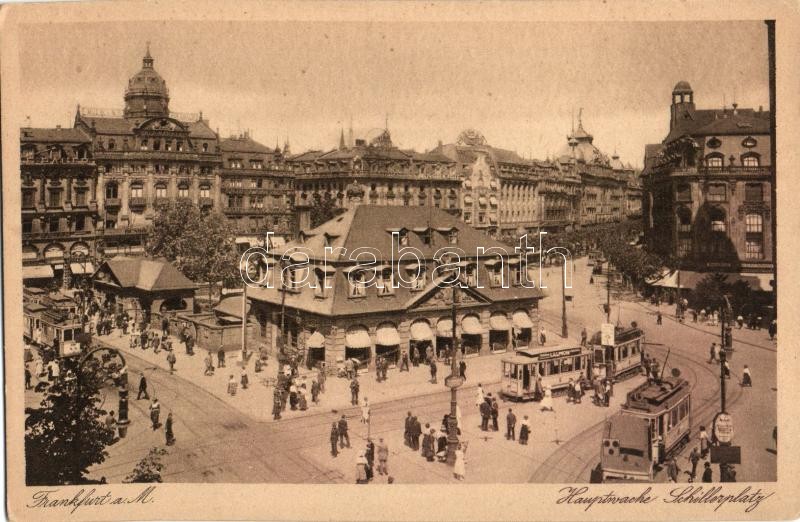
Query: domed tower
[[682, 102], [147, 95]]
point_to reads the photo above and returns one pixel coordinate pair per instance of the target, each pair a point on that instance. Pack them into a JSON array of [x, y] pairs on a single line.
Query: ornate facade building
[[707, 191], [59, 205], [377, 173], [356, 318]]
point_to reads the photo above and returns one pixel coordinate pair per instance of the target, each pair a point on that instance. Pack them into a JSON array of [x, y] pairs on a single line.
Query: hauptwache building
[[353, 319]]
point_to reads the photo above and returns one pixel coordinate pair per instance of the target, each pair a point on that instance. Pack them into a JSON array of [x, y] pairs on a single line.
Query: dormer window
[[205, 147], [234, 163], [471, 274], [385, 280], [452, 237], [323, 280], [417, 274], [358, 287], [179, 146]]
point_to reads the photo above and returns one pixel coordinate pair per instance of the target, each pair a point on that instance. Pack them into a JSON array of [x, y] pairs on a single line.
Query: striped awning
[[387, 335], [421, 331], [444, 328], [521, 319], [37, 272], [358, 338], [471, 325], [81, 268], [499, 322], [316, 340]]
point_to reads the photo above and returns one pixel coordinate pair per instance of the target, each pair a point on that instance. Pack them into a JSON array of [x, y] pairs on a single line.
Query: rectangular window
[[358, 286], [143, 145], [256, 164], [385, 283], [566, 364], [183, 191], [80, 223], [205, 191], [54, 224], [137, 191], [754, 247], [168, 145], [552, 367], [80, 198], [754, 192], [28, 199], [55, 198], [161, 191], [179, 146], [717, 192], [156, 144], [27, 226]]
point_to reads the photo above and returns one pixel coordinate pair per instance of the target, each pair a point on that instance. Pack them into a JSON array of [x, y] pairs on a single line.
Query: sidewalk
[[256, 401]]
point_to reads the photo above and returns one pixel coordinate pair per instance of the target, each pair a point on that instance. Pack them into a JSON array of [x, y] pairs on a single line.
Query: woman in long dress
[[547, 399], [479, 397], [459, 469]]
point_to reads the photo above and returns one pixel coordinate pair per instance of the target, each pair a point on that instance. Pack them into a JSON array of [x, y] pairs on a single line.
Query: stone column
[[125, 195], [149, 188], [172, 190], [195, 193], [100, 192]]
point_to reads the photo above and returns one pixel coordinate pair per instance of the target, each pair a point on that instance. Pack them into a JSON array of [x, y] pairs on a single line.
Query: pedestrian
[[164, 326], [570, 391], [354, 387], [321, 379], [542, 336], [190, 345], [142, 387], [361, 469], [170, 436], [277, 404], [739, 321], [111, 422], [577, 392], [524, 430], [293, 399], [746, 378], [383, 456], [369, 454], [379, 369], [511, 423], [694, 458], [704, 442], [707, 473], [155, 411], [38, 369], [427, 444], [486, 412], [27, 378], [726, 367], [404, 361], [416, 432], [591, 279], [433, 370], [547, 400], [462, 369], [658, 318], [608, 391], [694, 316], [495, 414], [334, 438], [672, 469], [343, 435], [479, 397], [244, 379], [171, 360], [773, 329], [712, 353], [209, 362], [232, 385], [315, 391], [142, 337], [409, 422], [365, 411], [459, 468], [584, 336], [415, 356]]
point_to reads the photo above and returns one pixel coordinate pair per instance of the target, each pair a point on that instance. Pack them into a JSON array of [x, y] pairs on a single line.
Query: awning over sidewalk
[[316, 340], [358, 338], [499, 322], [81, 268], [444, 328], [387, 335], [689, 279], [471, 325], [421, 331], [37, 272], [521, 319]]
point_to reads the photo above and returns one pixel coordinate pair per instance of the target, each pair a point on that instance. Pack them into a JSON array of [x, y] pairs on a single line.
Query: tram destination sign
[[559, 353]]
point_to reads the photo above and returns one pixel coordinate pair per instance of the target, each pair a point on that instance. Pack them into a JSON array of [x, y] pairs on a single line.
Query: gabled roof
[[56, 135], [244, 144], [705, 122], [197, 129], [150, 275]]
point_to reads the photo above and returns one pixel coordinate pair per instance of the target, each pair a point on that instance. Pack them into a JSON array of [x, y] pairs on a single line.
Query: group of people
[[433, 445], [293, 389]]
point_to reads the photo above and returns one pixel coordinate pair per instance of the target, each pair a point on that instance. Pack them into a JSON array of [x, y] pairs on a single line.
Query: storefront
[[499, 332], [471, 335], [444, 337], [523, 329], [358, 345], [387, 343], [421, 336], [315, 346]]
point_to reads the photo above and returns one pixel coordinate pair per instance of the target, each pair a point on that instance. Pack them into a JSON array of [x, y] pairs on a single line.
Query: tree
[[709, 291], [65, 436], [149, 468], [201, 244], [324, 209]]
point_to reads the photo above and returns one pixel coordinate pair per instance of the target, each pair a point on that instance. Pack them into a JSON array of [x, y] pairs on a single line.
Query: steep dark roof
[[150, 275], [705, 122], [650, 152], [243, 144], [56, 135]]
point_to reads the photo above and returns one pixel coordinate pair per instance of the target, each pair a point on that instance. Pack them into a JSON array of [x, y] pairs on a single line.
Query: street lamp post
[[564, 331], [454, 382]]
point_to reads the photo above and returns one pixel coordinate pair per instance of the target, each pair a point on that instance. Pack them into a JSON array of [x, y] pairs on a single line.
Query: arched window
[[751, 159], [183, 190], [137, 189], [714, 160]]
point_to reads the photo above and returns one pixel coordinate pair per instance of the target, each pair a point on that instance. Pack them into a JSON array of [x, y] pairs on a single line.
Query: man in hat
[[343, 435]]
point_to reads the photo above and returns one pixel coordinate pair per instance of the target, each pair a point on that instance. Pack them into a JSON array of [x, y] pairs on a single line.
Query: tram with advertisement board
[[654, 423], [617, 352], [526, 372]]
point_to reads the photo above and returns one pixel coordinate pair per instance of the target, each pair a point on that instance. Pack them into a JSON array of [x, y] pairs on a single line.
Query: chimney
[[735, 105], [360, 143]]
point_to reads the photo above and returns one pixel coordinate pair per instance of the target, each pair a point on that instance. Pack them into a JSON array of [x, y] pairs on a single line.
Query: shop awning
[[444, 328], [688, 279], [499, 322], [37, 272], [522, 320], [316, 340], [81, 268], [758, 282], [387, 336], [358, 338], [471, 325], [421, 331]]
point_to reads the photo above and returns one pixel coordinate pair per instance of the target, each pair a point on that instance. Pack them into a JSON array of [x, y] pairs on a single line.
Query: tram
[[51, 322], [654, 423], [552, 366], [621, 360]]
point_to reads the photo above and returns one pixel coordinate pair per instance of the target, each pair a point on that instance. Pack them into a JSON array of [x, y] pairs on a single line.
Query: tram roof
[[657, 396]]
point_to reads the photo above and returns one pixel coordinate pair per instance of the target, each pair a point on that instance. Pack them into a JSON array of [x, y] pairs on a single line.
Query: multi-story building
[[357, 312], [604, 183], [499, 188], [377, 173], [59, 205], [257, 190], [707, 191]]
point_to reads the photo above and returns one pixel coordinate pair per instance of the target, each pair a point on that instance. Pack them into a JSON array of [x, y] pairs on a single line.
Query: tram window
[[578, 362], [552, 367], [624, 352], [635, 348], [673, 417], [631, 451], [67, 334], [566, 364], [598, 355], [507, 370]]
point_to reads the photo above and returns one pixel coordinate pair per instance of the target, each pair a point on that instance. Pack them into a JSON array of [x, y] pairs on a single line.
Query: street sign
[[726, 455], [453, 381], [607, 334], [723, 428]]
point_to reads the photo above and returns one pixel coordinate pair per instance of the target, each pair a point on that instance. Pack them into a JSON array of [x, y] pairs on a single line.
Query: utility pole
[[608, 294], [244, 325], [564, 332], [454, 381]]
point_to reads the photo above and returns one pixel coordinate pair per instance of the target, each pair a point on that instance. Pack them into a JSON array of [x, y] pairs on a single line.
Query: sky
[[521, 84]]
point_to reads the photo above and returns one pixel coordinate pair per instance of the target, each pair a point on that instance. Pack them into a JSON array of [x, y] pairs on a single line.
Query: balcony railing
[[70, 161], [113, 202], [720, 171], [137, 202], [206, 202]]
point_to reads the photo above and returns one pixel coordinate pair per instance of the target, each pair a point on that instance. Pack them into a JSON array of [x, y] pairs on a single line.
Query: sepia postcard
[[402, 261]]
